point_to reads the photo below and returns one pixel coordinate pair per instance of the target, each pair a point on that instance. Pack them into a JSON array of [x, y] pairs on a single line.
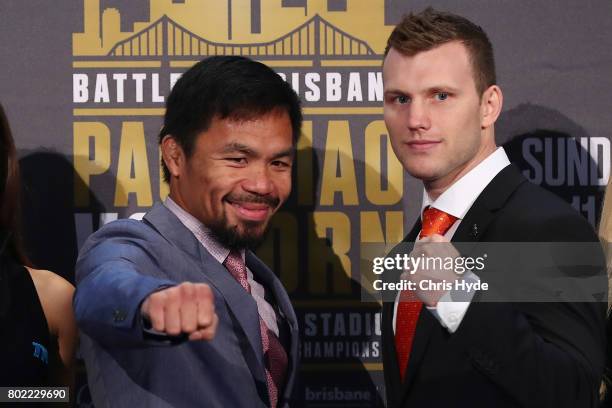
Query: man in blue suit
[[175, 310]]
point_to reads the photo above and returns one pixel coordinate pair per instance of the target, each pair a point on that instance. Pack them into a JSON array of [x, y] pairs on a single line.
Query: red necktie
[[409, 307], [273, 351]]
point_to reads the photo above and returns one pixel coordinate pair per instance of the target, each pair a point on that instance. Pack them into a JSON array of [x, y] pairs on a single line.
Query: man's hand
[[187, 308], [433, 247]]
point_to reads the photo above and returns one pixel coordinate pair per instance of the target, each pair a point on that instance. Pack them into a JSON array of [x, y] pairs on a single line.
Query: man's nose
[[259, 181], [418, 116]]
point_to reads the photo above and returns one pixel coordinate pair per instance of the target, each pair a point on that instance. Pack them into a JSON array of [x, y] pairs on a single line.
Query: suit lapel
[[472, 229], [265, 276], [172, 229], [414, 232], [475, 223], [243, 308], [390, 366], [272, 283], [425, 325]]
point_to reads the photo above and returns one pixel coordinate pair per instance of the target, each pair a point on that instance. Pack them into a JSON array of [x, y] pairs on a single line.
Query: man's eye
[[240, 160], [280, 164], [402, 99], [442, 96]]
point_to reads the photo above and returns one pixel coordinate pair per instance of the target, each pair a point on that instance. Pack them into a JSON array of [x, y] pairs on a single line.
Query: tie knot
[[235, 265], [436, 222]]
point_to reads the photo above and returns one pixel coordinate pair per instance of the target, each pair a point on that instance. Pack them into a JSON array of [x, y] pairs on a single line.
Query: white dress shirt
[[457, 201], [220, 252]]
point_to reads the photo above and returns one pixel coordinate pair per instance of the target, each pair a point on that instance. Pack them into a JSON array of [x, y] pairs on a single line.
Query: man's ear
[[173, 155], [490, 106]]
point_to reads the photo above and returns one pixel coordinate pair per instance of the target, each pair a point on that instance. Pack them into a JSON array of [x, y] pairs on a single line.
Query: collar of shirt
[[220, 252], [203, 234], [460, 196]]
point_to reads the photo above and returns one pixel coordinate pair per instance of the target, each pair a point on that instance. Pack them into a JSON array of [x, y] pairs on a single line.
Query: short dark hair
[[10, 204], [225, 87], [431, 28]]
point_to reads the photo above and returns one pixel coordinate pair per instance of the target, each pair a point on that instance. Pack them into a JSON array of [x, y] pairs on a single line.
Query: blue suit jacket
[[118, 267]]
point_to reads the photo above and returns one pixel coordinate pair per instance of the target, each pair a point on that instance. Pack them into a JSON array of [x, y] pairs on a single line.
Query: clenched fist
[[437, 249], [187, 308]]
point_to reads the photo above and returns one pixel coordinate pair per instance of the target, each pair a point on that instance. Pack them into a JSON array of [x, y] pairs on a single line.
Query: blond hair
[[605, 234]]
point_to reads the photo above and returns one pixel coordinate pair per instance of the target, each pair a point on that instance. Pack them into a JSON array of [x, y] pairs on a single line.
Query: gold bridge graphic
[[176, 34], [314, 31], [316, 37]]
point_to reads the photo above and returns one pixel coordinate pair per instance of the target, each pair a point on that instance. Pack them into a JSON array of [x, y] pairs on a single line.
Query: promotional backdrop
[[84, 84]]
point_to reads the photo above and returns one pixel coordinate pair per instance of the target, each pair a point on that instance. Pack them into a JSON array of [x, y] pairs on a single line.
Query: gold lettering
[[84, 165], [305, 165], [338, 156], [375, 133], [372, 233], [371, 227], [325, 257], [133, 154]]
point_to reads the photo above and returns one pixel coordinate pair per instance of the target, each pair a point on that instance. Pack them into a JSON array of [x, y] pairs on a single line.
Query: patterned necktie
[[409, 307], [274, 353]]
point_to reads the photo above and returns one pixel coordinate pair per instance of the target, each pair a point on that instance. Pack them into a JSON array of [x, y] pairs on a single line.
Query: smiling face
[[237, 176], [439, 126]]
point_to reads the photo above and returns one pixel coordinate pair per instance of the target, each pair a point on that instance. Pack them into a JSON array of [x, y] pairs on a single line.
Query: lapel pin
[[474, 230]]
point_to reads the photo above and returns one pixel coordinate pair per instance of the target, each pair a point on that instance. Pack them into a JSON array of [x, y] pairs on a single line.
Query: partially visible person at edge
[[39, 335], [605, 234]]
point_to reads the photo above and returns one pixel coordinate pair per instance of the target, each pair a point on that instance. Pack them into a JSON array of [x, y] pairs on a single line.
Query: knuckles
[[184, 293]]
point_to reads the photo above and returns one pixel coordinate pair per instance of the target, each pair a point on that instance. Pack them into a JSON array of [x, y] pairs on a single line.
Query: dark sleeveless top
[[25, 343]]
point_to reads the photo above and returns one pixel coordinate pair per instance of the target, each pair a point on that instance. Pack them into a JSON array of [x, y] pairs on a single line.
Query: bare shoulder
[[55, 294], [51, 285]]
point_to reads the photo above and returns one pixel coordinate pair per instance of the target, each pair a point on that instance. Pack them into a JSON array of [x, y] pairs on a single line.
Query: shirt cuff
[[453, 305]]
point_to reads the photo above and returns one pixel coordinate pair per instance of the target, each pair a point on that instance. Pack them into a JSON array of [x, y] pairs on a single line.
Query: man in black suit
[[440, 105]]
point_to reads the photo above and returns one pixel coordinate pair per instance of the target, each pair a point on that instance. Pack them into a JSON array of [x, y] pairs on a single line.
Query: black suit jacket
[[506, 354]]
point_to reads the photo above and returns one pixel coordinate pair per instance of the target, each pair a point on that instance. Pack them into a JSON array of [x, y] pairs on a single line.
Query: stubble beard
[[248, 235]]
